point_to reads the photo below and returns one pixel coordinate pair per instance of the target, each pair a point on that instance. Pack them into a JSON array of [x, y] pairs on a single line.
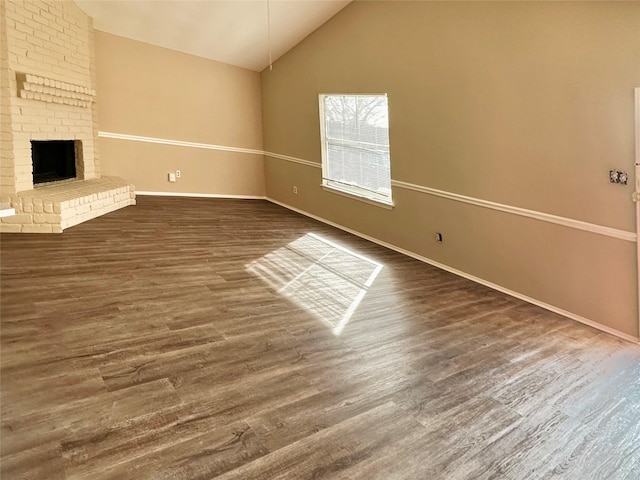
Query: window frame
[[351, 191]]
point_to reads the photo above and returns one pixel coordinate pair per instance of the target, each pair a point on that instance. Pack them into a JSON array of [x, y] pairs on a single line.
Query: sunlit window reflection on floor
[[327, 279]]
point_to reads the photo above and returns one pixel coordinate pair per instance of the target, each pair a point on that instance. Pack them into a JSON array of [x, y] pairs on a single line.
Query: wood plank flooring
[[230, 339]]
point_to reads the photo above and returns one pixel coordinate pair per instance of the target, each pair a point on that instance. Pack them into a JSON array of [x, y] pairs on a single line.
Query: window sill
[[370, 201]]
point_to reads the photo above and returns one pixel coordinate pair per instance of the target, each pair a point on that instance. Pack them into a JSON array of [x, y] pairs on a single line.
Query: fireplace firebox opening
[[55, 160]]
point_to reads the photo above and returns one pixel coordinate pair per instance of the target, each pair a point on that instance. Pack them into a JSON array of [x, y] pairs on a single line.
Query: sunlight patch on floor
[[323, 277]]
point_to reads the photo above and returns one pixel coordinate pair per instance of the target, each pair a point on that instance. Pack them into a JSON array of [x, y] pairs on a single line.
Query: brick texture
[[52, 208], [53, 40], [7, 172], [47, 87]]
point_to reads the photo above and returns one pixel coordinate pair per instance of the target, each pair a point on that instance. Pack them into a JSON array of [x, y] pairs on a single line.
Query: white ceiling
[[230, 31]]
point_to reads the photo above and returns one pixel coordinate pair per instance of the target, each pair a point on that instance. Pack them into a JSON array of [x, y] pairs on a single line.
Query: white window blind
[[355, 145]]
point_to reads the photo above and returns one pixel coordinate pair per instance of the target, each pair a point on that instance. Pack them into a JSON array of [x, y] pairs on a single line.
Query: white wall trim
[[499, 288], [636, 194], [523, 212], [178, 143], [294, 159], [201, 195], [546, 217]]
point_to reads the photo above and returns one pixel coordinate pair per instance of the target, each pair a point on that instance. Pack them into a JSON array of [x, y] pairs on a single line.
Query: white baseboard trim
[[499, 288], [200, 195]]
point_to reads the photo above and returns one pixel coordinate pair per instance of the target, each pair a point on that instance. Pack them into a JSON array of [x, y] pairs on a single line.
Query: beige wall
[[150, 91], [521, 103]]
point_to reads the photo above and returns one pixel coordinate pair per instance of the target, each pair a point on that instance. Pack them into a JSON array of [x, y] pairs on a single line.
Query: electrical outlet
[[618, 176], [623, 178], [178, 173], [613, 176], [172, 177], [295, 189]]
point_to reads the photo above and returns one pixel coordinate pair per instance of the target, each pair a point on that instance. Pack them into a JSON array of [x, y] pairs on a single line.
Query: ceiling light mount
[[269, 33]]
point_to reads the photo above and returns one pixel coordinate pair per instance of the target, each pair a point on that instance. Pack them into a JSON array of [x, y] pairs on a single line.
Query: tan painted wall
[[150, 91], [526, 104]]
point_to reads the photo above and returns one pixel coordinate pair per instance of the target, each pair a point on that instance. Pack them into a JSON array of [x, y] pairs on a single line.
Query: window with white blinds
[[355, 145]]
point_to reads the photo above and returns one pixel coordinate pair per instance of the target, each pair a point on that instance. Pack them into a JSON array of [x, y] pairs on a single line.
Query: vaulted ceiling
[[231, 31]]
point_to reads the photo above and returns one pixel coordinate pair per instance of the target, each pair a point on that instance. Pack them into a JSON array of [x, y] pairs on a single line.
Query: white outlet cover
[[623, 177]]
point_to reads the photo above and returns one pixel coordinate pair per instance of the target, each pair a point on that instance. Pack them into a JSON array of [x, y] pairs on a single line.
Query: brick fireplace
[[47, 87]]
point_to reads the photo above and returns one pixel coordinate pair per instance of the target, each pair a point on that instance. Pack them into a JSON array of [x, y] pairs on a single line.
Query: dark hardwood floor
[[200, 339]]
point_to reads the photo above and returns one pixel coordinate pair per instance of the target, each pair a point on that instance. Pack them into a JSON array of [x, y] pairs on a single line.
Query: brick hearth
[[47, 87], [52, 208]]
